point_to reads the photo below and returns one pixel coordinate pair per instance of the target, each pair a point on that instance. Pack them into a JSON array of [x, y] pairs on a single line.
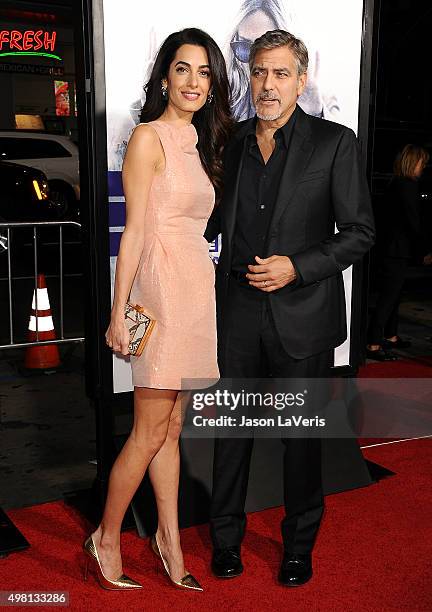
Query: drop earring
[[164, 91], [210, 98]]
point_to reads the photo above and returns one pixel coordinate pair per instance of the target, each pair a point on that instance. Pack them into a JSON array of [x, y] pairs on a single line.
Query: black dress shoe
[[381, 355], [226, 562], [399, 343], [296, 569]]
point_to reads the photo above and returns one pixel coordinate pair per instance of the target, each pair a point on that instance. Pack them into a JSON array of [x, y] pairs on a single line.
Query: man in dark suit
[[289, 178]]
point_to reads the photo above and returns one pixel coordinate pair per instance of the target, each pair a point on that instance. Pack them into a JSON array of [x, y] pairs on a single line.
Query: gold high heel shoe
[[122, 583], [187, 582]]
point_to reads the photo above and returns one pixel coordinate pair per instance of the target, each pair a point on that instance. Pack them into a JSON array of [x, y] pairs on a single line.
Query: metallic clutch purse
[[140, 326]]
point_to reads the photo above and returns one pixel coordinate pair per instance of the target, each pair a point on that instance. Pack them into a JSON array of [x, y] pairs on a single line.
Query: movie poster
[[133, 32]]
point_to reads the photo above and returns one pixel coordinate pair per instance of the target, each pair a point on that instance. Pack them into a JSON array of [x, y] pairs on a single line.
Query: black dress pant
[[391, 277], [251, 348]]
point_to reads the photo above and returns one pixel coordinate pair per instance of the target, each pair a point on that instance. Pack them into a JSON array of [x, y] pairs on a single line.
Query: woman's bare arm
[[143, 160]]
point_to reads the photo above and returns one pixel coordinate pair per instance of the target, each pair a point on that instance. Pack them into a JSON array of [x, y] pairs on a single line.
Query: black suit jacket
[[322, 184]]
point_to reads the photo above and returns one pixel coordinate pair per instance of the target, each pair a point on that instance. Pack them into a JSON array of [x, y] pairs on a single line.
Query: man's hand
[[427, 259], [271, 273]]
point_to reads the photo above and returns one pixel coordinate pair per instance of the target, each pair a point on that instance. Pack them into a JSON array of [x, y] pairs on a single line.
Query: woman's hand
[[117, 335]]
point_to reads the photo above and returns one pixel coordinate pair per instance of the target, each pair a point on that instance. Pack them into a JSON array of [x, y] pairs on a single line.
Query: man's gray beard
[[268, 117]]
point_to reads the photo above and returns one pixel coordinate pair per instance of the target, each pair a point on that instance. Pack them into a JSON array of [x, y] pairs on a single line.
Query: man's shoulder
[[326, 129]]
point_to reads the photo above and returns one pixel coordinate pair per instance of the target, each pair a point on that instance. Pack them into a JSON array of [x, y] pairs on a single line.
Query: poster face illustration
[[133, 32]]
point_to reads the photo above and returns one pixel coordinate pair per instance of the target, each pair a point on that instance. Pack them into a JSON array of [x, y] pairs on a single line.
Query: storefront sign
[[28, 42], [32, 69]]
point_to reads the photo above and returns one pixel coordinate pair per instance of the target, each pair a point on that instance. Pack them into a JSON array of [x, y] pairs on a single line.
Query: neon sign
[[30, 42]]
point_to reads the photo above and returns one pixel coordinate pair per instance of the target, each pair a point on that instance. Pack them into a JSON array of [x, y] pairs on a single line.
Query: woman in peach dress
[[171, 172]]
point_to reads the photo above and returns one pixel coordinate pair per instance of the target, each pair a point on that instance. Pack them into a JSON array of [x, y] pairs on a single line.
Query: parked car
[[25, 195], [56, 156]]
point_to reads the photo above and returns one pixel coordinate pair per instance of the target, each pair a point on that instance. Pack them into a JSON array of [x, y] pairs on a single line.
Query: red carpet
[[418, 367], [373, 553]]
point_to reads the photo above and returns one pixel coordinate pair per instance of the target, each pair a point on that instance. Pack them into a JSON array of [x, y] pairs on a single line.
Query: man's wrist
[[297, 276]]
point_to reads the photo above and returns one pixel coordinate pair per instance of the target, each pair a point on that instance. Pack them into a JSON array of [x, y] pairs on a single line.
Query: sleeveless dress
[[175, 278]]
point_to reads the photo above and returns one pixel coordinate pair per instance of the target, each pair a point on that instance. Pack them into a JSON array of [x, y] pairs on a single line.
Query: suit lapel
[[299, 154]]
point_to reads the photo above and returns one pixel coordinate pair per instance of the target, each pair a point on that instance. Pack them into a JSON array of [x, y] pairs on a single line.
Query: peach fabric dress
[[175, 276]]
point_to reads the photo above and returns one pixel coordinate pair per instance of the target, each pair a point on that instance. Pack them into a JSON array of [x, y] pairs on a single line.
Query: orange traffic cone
[[43, 356]]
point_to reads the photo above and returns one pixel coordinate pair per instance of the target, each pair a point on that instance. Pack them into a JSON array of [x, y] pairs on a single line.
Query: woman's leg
[[391, 327], [152, 411], [164, 471], [390, 284]]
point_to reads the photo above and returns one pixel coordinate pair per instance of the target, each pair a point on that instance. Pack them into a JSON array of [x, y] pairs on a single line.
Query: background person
[[400, 230]]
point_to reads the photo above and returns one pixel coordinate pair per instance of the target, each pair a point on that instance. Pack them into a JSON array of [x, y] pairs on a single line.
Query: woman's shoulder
[[406, 184], [402, 182], [145, 139], [145, 132], [403, 191], [144, 144]]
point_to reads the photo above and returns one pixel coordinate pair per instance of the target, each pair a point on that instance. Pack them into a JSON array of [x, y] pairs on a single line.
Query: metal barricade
[[5, 243]]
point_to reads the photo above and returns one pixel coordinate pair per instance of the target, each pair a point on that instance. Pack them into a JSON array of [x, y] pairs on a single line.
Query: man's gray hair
[[281, 38]]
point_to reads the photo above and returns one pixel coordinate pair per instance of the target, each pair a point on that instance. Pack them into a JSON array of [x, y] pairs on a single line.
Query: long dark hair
[[213, 121]]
